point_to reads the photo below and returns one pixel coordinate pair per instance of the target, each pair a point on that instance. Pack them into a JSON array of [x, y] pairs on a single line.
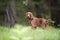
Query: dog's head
[[29, 15]]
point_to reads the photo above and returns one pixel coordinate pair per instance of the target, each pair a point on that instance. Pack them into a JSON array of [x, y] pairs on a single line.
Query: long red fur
[[34, 21]]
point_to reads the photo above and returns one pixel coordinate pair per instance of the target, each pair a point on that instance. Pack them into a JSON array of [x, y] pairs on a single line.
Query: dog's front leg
[[33, 24]]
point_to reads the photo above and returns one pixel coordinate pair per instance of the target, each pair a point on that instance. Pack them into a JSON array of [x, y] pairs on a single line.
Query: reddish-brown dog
[[34, 21]]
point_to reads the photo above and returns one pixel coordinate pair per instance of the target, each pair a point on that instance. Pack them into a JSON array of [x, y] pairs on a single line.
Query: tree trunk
[[10, 13]]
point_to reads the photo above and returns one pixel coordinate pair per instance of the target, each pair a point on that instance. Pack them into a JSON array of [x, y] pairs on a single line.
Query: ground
[[22, 32]]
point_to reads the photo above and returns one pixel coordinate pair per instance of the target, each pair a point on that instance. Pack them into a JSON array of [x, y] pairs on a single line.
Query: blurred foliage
[[45, 8]]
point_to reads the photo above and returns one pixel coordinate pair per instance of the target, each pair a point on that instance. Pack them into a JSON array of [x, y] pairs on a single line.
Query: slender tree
[[11, 13]]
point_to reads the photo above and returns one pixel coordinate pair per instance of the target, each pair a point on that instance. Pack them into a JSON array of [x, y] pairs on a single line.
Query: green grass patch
[[22, 32]]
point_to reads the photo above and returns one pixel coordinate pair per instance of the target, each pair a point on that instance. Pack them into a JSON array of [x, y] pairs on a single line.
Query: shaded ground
[[20, 32]]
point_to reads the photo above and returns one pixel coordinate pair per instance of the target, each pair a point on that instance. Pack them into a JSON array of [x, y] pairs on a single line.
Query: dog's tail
[[50, 21]]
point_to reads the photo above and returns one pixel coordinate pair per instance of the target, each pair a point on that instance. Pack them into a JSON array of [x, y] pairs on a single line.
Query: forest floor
[[21, 32]]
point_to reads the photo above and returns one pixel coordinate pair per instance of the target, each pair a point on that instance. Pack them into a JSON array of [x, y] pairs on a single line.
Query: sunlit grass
[[20, 32]]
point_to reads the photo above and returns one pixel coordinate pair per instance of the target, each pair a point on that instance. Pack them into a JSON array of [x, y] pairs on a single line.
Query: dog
[[34, 21]]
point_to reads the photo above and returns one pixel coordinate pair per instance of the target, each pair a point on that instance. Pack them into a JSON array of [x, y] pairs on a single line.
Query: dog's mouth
[[28, 18]]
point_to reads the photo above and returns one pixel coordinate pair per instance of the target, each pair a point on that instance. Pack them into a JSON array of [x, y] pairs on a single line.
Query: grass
[[20, 32]]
